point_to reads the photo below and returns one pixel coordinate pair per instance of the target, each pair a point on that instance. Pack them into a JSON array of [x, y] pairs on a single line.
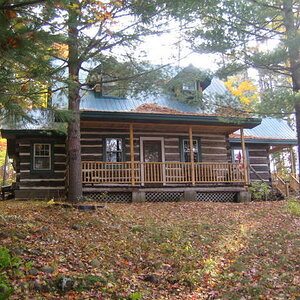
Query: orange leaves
[[11, 14], [188, 250], [62, 50], [103, 16], [13, 42]]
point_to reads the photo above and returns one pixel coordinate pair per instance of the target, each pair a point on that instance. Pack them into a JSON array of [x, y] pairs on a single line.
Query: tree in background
[[261, 34]]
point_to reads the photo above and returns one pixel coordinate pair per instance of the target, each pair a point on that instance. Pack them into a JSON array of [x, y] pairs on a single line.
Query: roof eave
[[265, 141], [171, 118], [13, 133]]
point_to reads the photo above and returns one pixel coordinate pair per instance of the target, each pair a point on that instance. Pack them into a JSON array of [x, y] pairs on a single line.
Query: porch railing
[[161, 172]]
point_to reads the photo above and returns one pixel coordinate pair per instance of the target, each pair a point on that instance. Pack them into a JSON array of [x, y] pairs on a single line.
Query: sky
[[165, 48]]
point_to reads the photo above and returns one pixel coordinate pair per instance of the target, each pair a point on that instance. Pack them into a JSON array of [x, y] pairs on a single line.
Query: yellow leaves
[[51, 202], [245, 90], [62, 50], [18, 26], [73, 6]]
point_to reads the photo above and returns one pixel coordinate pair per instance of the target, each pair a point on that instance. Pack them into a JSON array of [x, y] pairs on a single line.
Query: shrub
[[7, 262], [293, 206], [259, 190]]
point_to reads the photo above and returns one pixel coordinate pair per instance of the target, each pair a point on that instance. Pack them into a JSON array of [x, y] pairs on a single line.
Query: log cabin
[[132, 150]]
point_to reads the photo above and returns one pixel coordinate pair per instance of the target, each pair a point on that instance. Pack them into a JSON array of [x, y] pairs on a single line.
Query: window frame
[[32, 156], [123, 153], [181, 150]]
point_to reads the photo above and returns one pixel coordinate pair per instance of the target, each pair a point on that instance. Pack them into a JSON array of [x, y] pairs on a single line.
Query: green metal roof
[[271, 131], [96, 102]]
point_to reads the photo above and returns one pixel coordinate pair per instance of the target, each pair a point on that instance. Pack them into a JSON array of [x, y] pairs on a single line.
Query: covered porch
[[141, 173], [146, 163]]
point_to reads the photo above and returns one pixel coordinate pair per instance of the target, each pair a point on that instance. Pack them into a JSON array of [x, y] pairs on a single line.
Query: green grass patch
[[293, 206]]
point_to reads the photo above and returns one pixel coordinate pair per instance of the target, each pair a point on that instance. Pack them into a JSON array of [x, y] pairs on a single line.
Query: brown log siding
[[47, 182], [213, 146]]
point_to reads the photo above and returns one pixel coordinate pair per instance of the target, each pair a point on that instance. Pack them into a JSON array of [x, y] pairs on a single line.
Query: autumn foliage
[[153, 251]]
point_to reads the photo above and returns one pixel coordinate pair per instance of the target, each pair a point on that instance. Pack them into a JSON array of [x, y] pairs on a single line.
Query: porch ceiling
[[159, 128]]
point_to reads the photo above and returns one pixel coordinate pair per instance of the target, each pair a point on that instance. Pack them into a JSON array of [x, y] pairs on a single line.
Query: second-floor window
[[189, 86]]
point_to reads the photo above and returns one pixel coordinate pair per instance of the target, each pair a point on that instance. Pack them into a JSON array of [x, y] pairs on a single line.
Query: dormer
[[189, 84]]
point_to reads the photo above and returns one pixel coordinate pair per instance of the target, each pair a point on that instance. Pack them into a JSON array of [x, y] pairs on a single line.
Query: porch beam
[[132, 154], [245, 158], [162, 126], [192, 154]]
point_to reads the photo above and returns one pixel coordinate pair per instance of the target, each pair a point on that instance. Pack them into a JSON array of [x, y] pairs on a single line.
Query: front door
[[152, 151], [152, 170]]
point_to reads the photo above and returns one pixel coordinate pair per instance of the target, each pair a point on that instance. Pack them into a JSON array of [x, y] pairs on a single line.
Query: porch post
[[192, 155], [132, 155], [245, 159]]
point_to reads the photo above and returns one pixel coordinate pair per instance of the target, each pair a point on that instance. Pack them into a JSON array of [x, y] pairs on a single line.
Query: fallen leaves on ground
[[192, 250]]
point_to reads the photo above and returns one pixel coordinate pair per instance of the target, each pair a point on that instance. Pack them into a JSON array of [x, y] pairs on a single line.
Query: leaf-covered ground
[[153, 251]]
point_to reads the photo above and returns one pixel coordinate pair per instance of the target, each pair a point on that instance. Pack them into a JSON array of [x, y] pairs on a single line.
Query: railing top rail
[[163, 162]]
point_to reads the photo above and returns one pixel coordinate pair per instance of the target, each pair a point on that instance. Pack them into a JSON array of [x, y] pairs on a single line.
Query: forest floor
[[181, 250]]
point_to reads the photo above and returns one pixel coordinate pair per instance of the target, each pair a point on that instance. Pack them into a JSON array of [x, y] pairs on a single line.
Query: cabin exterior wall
[[260, 162], [213, 145], [39, 185], [258, 159]]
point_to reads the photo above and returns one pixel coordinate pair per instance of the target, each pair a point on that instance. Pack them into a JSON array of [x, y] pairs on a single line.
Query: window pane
[[191, 86], [42, 157], [42, 163], [237, 155], [111, 156], [113, 144], [114, 149], [42, 149], [186, 150]]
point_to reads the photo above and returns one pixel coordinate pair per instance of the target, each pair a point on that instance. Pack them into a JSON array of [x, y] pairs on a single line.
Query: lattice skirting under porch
[[115, 197], [166, 196], [163, 196], [216, 197]]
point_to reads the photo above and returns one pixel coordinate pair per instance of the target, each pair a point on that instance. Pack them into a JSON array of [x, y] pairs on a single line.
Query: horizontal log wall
[[258, 156], [259, 161], [40, 185], [213, 146]]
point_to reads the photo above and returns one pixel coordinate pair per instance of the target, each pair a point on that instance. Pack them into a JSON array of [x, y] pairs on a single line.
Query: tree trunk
[[294, 59], [73, 144]]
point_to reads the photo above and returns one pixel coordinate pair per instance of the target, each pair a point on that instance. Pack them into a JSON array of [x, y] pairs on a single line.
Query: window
[[237, 155], [41, 157], [185, 150], [189, 86], [113, 149]]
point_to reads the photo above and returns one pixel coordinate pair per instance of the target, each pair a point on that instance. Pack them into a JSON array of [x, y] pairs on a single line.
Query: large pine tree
[[92, 31]]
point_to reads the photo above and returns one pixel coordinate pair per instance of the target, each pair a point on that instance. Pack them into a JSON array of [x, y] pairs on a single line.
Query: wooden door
[[152, 153]]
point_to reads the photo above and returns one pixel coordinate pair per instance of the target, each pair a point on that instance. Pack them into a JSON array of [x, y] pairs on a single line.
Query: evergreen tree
[[239, 29], [25, 67]]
